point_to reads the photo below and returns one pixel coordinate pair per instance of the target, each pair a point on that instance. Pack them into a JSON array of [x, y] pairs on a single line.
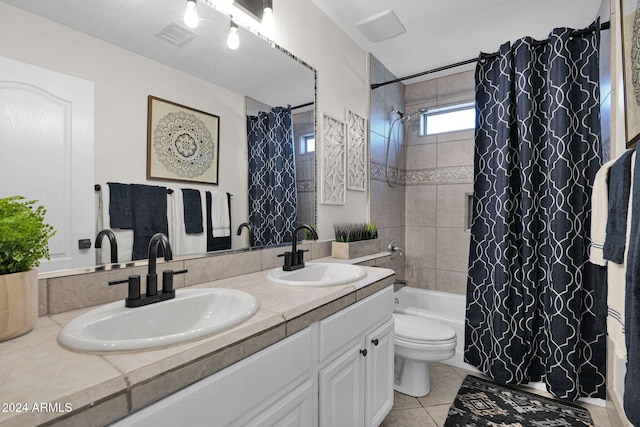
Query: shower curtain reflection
[[272, 176]]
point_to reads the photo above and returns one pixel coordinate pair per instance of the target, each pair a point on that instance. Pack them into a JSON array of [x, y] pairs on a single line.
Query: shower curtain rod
[[603, 26]]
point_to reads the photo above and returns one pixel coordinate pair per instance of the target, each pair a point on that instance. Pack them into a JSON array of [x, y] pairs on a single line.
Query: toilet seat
[[420, 330]]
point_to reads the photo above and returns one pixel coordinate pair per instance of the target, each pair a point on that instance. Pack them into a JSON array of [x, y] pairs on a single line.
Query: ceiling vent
[[382, 26], [176, 34]]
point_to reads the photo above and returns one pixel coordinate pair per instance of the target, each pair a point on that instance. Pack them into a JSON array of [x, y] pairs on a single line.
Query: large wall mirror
[[129, 50]]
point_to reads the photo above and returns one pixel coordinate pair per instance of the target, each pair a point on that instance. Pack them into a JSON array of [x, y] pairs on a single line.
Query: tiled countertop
[[43, 383]]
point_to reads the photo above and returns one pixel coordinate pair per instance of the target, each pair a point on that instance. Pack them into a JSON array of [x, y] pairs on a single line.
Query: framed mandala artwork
[[182, 143], [631, 68]]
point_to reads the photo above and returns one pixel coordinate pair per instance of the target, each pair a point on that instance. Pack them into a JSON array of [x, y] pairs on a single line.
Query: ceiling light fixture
[[267, 16], [233, 40], [191, 14]]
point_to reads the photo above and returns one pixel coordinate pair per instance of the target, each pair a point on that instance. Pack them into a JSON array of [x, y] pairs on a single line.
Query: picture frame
[[629, 12], [182, 143], [333, 160]]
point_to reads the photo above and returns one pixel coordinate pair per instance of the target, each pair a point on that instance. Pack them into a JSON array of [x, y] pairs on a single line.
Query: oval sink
[[318, 274], [193, 313]]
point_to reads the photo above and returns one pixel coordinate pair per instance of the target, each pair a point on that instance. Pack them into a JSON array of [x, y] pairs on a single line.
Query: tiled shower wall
[[425, 211], [387, 204], [303, 124], [439, 176]]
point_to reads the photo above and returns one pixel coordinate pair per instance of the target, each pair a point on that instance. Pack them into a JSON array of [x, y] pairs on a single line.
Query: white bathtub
[[448, 309]]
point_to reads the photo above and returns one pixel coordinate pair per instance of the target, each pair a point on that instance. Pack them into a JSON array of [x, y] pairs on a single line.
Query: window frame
[[438, 111]]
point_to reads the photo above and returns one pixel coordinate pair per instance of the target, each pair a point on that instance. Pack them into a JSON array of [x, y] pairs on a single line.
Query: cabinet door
[[341, 389], [379, 374]]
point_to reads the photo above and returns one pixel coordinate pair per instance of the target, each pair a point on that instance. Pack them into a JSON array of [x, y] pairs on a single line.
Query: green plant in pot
[[24, 241], [355, 240]]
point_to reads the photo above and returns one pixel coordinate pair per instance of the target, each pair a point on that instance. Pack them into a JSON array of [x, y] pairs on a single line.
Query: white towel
[[599, 214], [124, 237], [220, 214], [616, 290], [183, 243]]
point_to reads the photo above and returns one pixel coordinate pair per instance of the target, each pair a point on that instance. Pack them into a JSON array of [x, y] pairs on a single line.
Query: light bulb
[[267, 20], [191, 14], [233, 40]]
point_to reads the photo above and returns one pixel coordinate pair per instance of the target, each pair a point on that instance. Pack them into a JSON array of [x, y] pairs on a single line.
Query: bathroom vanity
[[341, 365], [309, 355]]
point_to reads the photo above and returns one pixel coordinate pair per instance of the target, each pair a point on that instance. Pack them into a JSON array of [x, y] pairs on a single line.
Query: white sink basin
[[318, 274], [193, 313]]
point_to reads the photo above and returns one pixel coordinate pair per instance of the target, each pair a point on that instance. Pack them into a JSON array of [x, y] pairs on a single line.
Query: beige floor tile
[[438, 413], [404, 401], [599, 415], [445, 383], [415, 417]]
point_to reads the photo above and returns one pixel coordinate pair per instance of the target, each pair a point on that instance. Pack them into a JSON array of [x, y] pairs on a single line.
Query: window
[[448, 119], [307, 143]]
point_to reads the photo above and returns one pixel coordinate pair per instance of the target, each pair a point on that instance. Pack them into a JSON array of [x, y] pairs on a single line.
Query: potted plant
[[355, 240], [24, 241]]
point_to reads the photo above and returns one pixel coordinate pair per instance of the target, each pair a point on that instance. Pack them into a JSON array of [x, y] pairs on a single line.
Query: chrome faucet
[[394, 249], [294, 260], [134, 299], [113, 245], [249, 228]]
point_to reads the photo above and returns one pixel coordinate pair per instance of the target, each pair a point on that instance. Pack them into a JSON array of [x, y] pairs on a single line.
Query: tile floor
[[431, 410]]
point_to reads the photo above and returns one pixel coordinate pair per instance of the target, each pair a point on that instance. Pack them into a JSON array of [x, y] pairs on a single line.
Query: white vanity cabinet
[[273, 387], [337, 372], [355, 377]]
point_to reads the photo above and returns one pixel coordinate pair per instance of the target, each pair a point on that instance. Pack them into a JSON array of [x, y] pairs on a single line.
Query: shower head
[[419, 111]]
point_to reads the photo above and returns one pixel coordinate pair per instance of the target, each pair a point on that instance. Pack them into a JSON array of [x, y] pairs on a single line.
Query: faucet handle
[[288, 259]]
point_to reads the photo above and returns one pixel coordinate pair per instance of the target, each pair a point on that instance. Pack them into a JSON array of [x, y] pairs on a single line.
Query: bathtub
[[449, 309], [445, 308]]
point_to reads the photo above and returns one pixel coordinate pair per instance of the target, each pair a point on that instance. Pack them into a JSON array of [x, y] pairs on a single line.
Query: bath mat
[[484, 403]]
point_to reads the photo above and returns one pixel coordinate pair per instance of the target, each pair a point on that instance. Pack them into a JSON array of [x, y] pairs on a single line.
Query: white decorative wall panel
[[357, 151], [333, 161]]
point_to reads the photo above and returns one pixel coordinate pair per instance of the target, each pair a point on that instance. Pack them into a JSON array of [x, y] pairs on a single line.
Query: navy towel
[[120, 205], [192, 211], [619, 188], [216, 243], [632, 304], [149, 212]]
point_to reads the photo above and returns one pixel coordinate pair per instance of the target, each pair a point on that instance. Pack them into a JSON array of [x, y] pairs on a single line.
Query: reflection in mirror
[[281, 155], [199, 71]]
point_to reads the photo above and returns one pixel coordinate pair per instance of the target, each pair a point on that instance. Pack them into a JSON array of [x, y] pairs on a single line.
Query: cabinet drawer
[[230, 393], [352, 322]]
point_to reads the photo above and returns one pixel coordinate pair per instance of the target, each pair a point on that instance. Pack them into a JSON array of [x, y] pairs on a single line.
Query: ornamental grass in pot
[[24, 241], [355, 240]]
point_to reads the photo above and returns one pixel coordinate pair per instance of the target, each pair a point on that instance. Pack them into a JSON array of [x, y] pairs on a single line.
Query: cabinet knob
[[375, 341], [363, 352]]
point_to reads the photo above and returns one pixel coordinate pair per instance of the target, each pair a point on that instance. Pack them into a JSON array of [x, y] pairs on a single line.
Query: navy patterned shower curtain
[[272, 176], [536, 307]]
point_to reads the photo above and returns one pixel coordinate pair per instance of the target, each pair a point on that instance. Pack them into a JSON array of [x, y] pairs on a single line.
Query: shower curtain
[[272, 176], [536, 307]]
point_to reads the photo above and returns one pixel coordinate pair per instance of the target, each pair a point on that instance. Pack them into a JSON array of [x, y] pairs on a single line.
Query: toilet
[[419, 341]]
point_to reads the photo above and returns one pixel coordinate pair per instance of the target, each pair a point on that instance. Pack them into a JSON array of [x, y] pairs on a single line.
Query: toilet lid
[[416, 328]]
